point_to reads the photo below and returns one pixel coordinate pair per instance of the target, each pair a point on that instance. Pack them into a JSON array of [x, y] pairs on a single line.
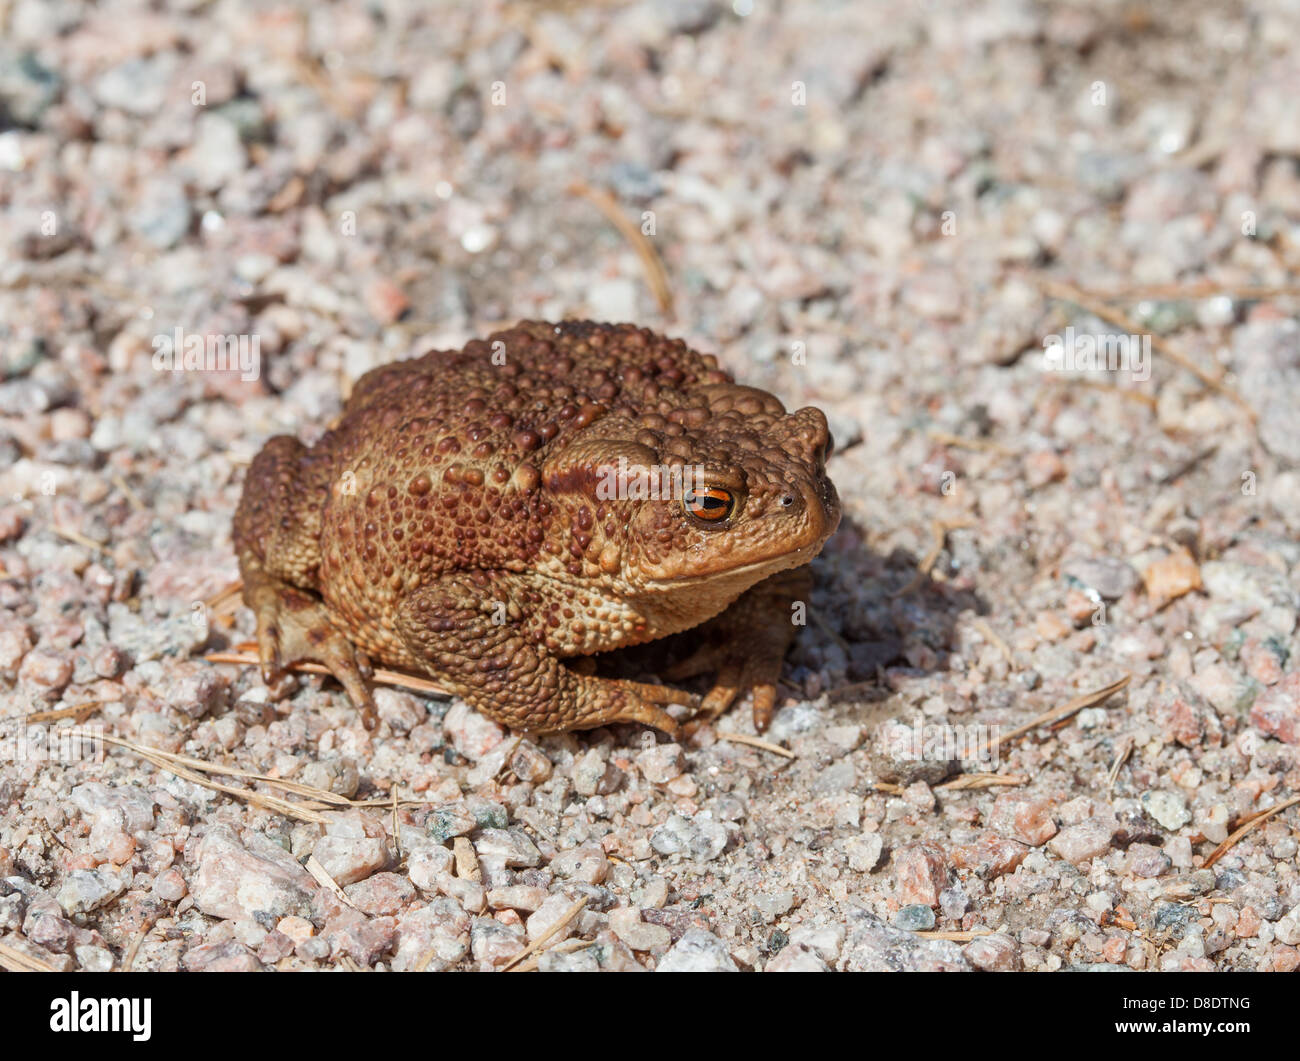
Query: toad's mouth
[[781, 558], [770, 566]]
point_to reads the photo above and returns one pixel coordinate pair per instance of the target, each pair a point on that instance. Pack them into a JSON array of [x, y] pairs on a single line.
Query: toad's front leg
[[745, 646], [471, 631]]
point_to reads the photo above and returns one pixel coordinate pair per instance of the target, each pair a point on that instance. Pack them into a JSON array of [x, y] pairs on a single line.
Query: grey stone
[[697, 951]]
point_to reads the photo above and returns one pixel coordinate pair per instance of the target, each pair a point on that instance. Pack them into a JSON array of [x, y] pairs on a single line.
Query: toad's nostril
[[787, 500]]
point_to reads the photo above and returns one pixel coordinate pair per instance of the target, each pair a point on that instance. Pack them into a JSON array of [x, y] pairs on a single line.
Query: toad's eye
[[709, 504]]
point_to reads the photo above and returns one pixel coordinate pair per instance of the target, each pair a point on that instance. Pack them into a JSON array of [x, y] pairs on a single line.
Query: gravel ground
[[858, 206]]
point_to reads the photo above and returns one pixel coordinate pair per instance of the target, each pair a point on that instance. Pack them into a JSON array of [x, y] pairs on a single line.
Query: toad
[[489, 516]]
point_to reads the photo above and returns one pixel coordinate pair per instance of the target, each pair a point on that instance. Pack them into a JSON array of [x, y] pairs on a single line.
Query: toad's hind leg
[[464, 630], [293, 626], [278, 520], [276, 535]]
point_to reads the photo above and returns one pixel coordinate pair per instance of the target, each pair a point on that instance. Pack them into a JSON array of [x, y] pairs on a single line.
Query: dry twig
[[656, 275], [1070, 293], [1056, 714], [565, 919], [1252, 824], [17, 962], [247, 657], [756, 742]]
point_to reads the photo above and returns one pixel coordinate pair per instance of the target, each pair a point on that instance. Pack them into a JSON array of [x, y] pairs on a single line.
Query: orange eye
[[709, 504]]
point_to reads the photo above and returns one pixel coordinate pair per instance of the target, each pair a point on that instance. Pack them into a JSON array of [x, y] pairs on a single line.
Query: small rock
[[333, 774], [88, 889], [919, 795], [1263, 659], [1167, 808], [216, 155], [93, 959], [349, 859], [450, 820], [274, 948], [1276, 710], [586, 863], [796, 958], [194, 689], [507, 847], [920, 874], [914, 918], [699, 838], [364, 939], [1179, 719], [470, 733], [381, 894], [840, 776], [27, 88], [46, 673], [402, 711], [127, 807], [1108, 577], [579, 961], [697, 951], [864, 852], [899, 756], [1213, 822], [1144, 860], [873, 946], [385, 301], [594, 775], [530, 764], [137, 86], [170, 886], [163, 216], [995, 952], [425, 864], [1084, 840], [551, 912], [433, 937], [1171, 577], [660, 763], [652, 893], [990, 855], [526, 897], [228, 957], [235, 880], [1287, 929], [773, 904], [626, 923]]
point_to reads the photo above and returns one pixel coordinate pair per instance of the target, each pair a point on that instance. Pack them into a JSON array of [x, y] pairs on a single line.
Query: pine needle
[[1250, 826]]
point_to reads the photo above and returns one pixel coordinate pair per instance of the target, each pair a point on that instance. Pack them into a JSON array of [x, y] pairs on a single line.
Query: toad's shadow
[[869, 614]]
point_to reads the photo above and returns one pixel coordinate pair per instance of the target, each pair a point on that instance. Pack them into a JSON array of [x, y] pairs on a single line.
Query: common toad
[[553, 491]]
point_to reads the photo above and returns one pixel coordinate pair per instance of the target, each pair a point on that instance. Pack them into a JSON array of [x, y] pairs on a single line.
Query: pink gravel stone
[[990, 855], [995, 952], [1277, 709], [920, 874], [1027, 820]]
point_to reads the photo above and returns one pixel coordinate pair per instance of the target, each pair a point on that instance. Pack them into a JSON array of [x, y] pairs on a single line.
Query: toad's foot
[[745, 645], [292, 626], [605, 700]]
